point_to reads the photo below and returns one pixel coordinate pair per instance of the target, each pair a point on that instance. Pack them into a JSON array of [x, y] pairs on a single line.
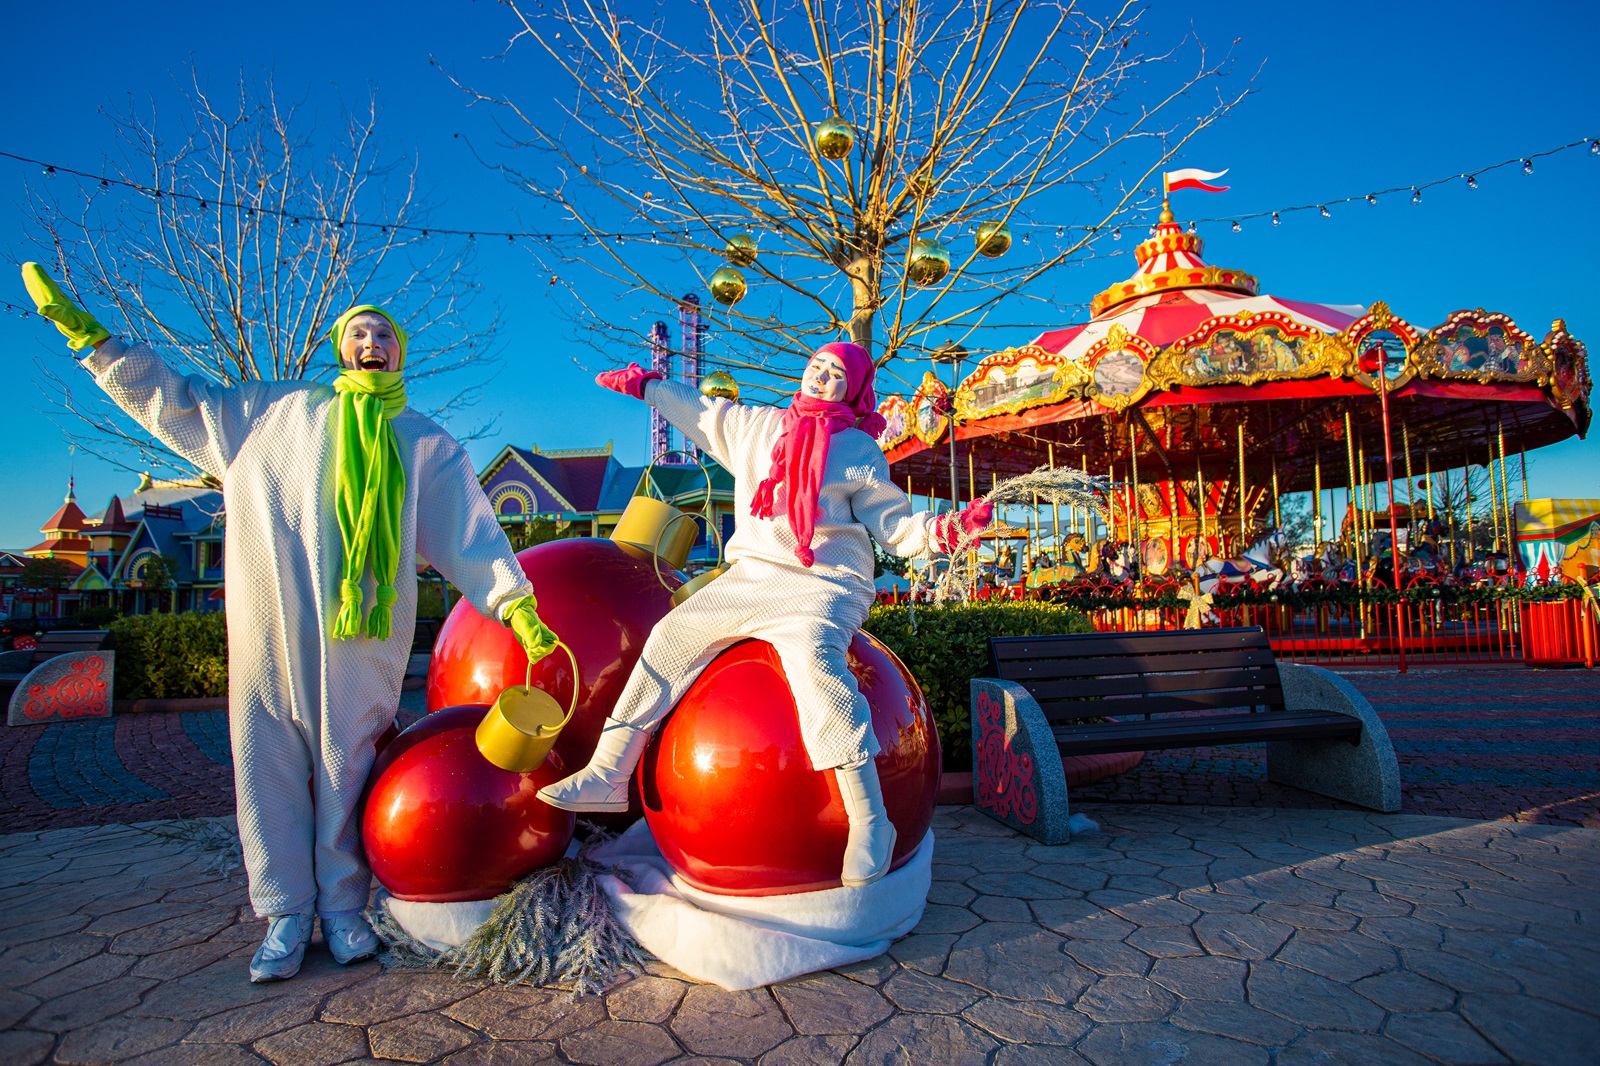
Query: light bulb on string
[[1323, 209], [1236, 225], [1472, 181], [49, 172], [1276, 221], [1116, 234], [1594, 146], [1026, 239], [1527, 166], [1416, 195], [1060, 232], [1372, 198]]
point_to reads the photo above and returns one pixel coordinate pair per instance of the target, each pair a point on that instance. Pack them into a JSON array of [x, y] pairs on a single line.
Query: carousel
[[1205, 402]]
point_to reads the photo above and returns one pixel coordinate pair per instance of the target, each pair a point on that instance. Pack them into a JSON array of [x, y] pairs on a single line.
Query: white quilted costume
[[303, 707], [809, 615]]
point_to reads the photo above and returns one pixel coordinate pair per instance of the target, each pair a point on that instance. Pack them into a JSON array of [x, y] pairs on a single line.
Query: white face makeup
[[825, 378], [369, 343]]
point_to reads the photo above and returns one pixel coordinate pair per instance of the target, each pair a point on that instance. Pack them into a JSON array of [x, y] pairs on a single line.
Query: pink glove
[[630, 380], [973, 519]]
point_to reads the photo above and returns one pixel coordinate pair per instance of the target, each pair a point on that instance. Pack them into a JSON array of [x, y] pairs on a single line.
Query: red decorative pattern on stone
[[80, 693], [1002, 779]]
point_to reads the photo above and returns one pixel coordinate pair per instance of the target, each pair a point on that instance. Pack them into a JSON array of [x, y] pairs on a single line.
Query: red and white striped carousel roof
[[1174, 291]]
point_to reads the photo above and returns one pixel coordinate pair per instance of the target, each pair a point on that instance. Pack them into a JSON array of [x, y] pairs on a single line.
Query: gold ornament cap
[[522, 726]]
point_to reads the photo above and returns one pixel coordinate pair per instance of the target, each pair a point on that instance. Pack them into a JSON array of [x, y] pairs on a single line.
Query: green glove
[[79, 325], [537, 639]]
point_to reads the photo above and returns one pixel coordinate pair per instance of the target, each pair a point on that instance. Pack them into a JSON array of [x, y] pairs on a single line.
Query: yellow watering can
[[522, 726]]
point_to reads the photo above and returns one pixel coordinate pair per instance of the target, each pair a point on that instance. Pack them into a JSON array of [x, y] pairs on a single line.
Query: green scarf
[[371, 486]]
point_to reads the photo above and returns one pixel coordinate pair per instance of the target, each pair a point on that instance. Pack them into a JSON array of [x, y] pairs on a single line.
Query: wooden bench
[[55, 655], [1096, 693]]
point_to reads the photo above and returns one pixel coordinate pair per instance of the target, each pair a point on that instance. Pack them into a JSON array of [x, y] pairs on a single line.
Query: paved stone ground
[[1515, 744], [1174, 935]]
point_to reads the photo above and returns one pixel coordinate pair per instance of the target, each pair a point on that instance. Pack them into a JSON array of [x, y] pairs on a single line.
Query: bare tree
[[680, 131], [256, 231]]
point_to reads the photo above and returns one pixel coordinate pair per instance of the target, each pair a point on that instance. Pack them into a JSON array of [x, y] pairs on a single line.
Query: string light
[[50, 170]]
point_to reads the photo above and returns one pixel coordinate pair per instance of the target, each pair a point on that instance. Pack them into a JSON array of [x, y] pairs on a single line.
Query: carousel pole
[[1352, 515], [1243, 536], [1316, 480], [1394, 525], [1411, 484], [1523, 451], [1505, 490], [1200, 495], [1494, 497], [1135, 517], [1466, 493], [1055, 508], [1277, 508], [1088, 512], [972, 494]]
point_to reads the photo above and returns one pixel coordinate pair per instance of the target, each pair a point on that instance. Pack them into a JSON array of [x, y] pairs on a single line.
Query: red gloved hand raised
[[973, 519], [629, 381]]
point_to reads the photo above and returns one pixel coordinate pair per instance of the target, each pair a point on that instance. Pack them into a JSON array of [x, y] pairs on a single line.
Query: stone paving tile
[[1175, 935]]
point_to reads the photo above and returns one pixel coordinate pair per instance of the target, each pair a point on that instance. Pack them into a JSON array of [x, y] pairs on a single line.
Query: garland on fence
[[1166, 596]]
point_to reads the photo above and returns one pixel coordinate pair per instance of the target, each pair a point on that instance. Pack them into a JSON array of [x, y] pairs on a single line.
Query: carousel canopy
[[1188, 379]]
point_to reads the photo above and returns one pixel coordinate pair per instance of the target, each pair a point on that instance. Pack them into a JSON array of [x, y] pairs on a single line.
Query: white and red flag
[[1192, 178]]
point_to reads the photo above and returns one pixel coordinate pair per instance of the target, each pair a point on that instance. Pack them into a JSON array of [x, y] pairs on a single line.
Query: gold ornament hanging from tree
[[994, 239], [720, 384], [930, 262], [728, 286], [834, 138], [740, 250]]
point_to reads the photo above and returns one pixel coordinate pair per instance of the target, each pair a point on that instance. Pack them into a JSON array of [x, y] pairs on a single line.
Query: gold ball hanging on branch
[[834, 138], [994, 239], [740, 250], [728, 286], [720, 384], [930, 262]]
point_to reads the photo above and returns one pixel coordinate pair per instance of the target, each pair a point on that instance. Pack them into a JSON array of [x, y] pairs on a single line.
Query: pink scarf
[[801, 454]]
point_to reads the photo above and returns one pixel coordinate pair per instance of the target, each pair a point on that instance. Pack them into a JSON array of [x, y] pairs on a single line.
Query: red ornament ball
[[729, 792], [443, 824], [601, 598]]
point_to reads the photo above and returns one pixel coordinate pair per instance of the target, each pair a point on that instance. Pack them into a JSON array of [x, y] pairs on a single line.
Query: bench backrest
[[1102, 675], [68, 642]]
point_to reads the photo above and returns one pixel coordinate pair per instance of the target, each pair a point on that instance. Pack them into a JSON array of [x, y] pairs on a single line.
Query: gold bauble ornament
[[728, 286], [740, 250], [930, 262], [834, 138], [720, 384], [994, 239]]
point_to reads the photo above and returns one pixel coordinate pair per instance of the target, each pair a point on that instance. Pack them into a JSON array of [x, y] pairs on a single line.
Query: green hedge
[[950, 647], [171, 656]]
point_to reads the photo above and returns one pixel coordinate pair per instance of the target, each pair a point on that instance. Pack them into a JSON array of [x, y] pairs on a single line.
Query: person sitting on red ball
[[812, 491]]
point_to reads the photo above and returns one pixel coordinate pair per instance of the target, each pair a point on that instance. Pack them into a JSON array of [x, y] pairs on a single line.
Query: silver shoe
[[284, 948], [350, 938]]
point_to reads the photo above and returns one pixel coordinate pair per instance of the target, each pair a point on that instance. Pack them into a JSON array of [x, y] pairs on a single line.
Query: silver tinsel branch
[[555, 927], [1046, 485]]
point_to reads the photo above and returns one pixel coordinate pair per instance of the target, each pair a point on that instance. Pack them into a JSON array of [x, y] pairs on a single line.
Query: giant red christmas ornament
[[442, 824], [601, 598], [730, 795]]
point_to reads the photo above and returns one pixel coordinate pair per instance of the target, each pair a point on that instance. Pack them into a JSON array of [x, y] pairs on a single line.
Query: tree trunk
[[865, 280]]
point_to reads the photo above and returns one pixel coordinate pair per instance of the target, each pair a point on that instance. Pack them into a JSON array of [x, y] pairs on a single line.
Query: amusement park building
[[107, 554], [584, 491]]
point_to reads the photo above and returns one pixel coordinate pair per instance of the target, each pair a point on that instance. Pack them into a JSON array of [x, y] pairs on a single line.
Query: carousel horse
[[1257, 564], [1117, 558]]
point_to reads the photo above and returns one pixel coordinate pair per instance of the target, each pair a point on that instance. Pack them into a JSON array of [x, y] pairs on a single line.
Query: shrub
[[98, 617], [171, 656], [950, 646]]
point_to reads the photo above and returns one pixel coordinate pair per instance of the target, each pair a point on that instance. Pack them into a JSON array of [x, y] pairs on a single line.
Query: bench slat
[[1204, 731], [1083, 688], [1089, 645], [1026, 670], [1063, 710]]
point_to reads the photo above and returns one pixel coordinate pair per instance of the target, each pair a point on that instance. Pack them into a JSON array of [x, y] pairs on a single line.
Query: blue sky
[[1349, 98]]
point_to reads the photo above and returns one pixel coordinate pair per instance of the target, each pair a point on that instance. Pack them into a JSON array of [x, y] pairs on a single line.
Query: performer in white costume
[[812, 491], [322, 487]]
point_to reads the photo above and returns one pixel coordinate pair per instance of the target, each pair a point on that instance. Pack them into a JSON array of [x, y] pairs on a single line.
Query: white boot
[[871, 843], [603, 784]]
